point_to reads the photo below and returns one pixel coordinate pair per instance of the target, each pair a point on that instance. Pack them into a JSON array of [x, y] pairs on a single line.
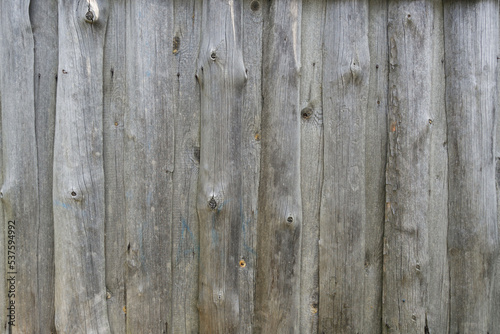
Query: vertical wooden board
[[221, 76], [19, 190], [115, 104], [311, 159], [185, 236], [280, 209], [44, 27], [4, 227], [78, 188], [149, 153], [375, 161], [471, 46], [437, 271], [250, 148], [346, 74], [414, 258]]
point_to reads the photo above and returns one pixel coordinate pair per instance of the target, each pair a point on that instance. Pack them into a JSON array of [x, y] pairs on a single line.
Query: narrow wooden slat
[[19, 190], [311, 159], [44, 27], [149, 162], [115, 104], [416, 214], [375, 161], [346, 74], [280, 208], [185, 236], [471, 67], [78, 188], [250, 153], [221, 76]]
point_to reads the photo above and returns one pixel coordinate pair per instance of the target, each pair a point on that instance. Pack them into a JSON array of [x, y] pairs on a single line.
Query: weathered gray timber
[[346, 74], [45, 37], [280, 208], [223, 166], [221, 75], [78, 187], [311, 158], [471, 43], [149, 154], [414, 235], [115, 103], [185, 236]]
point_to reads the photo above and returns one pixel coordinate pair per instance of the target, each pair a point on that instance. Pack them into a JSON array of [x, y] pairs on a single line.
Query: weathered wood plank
[[19, 190], [414, 256], [185, 235], [78, 188], [375, 160], [44, 27], [311, 159], [346, 74], [280, 208], [4, 226], [149, 152], [221, 76], [471, 67], [115, 104], [250, 148]]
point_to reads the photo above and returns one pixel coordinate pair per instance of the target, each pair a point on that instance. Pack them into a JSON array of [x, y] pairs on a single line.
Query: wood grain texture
[[280, 208], [416, 165], [375, 160], [471, 67], [45, 35], [311, 158], [78, 188], [149, 152], [221, 75], [346, 74], [115, 103], [19, 190], [185, 229], [252, 20]]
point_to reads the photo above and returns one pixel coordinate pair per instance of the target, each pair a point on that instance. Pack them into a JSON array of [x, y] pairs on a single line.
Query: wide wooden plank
[[346, 74], [221, 76], [415, 232], [311, 159], [280, 203], [115, 104], [185, 236], [78, 188], [149, 153], [19, 189], [45, 36], [471, 67]]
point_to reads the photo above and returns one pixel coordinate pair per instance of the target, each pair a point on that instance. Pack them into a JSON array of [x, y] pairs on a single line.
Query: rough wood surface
[[185, 235], [115, 103], [346, 74], [44, 27], [149, 151], [78, 188], [280, 208], [416, 164], [221, 75], [471, 33], [251, 166], [19, 191], [311, 158]]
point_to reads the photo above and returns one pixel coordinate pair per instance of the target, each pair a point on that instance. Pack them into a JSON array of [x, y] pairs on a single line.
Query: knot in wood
[[212, 203], [89, 16], [306, 113]]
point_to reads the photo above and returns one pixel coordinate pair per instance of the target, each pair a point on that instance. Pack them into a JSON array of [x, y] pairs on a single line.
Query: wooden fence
[[304, 166]]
